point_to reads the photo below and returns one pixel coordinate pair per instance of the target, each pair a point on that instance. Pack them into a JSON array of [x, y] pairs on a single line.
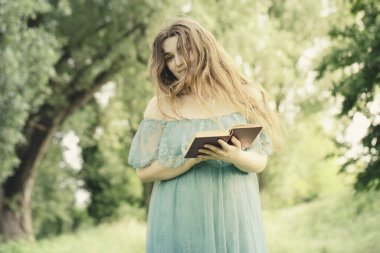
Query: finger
[[225, 145], [213, 154], [204, 157], [205, 151], [236, 142], [211, 147], [209, 156], [216, 151]]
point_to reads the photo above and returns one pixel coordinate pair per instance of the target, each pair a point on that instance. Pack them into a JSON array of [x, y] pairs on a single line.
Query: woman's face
[[173, 58]]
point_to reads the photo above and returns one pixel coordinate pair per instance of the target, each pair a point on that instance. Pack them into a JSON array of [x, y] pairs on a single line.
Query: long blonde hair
[[210, 73]]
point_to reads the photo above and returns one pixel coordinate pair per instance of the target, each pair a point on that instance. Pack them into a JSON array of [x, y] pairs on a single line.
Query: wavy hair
[[210, 73]]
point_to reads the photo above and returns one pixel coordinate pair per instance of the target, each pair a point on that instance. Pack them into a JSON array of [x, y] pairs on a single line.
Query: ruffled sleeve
[[262, 144], [145, 144], [158, 140]]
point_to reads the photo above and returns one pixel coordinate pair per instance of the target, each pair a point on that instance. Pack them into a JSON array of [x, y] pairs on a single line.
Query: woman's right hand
[[194, 161]]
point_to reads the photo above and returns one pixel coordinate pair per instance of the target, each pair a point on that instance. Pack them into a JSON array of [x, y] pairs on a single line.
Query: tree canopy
[[354, 63], [58, 59]]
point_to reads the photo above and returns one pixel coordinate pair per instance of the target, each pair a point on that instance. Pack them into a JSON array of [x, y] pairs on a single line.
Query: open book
[[245, 133]]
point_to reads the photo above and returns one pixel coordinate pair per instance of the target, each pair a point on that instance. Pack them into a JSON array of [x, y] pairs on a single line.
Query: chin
[[179, 76]]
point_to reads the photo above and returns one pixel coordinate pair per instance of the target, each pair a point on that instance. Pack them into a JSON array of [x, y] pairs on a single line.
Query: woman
[[210, 203]]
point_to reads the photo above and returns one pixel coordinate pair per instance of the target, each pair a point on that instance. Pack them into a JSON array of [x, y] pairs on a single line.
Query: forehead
[[170, 44]]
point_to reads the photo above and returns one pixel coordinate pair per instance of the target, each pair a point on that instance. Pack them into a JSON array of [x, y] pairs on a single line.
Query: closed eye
[[168, 58]]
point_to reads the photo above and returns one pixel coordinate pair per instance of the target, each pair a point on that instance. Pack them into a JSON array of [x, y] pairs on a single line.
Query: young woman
[[209, 204]]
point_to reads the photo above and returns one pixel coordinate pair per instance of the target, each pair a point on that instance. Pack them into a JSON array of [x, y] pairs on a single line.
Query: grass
[[127, 236], [341, 223]]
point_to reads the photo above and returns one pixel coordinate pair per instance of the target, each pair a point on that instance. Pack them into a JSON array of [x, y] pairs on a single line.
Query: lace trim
[[154, 139]]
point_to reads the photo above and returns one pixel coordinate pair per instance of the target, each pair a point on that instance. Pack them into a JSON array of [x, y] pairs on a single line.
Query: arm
[[156, 172], [247, 161]]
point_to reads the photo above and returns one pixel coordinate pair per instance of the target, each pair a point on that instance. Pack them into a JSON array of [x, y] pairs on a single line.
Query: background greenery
[[341, 223], [319, 61]]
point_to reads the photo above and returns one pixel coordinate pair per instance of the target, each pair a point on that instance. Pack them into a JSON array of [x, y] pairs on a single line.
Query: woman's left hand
[[228, 153]]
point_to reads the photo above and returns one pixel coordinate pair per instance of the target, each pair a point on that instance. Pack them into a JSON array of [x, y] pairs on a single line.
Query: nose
[[179, 60]]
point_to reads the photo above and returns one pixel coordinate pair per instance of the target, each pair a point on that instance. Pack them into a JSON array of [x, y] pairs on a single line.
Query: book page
[[213, 133], [244, 126]]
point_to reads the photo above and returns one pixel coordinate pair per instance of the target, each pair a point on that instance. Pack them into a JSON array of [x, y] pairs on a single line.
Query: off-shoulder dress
[[212, 208]]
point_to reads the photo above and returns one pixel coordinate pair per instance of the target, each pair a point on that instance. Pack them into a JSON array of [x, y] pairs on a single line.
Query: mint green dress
[[212, 208]]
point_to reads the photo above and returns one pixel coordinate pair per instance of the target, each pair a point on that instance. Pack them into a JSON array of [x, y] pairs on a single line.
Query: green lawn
[[126, 236], [342, 223]]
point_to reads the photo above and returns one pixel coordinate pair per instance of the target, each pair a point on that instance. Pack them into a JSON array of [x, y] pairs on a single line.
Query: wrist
[[250, 161], [190, 161], [236, 158]]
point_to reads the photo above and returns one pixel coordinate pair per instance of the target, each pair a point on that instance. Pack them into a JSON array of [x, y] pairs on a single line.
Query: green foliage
[[319, 226], [53, 195], [355, 60], [266, 47], [26, 63], [69, 47], [54, 205], [53, 52], [268, 41], [103, 134], [125, 236], [326, 224], [104, 201], [105, 172], [302, 173]]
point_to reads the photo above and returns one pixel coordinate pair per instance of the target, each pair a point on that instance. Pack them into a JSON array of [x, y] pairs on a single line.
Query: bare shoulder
[[152, 111]]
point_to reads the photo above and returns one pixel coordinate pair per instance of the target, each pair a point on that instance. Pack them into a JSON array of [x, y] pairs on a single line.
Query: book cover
[[245, 133]]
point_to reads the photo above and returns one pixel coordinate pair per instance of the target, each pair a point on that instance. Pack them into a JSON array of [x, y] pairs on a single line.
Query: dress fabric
[[212, 208]]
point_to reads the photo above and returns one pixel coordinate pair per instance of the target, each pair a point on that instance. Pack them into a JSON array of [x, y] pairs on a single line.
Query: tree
[[105, 173], [20, 38], [50, 75], [354, 63]]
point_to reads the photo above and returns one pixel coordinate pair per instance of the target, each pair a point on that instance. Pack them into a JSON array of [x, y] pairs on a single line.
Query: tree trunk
[[14, 223], [15, 200], [15, 192]]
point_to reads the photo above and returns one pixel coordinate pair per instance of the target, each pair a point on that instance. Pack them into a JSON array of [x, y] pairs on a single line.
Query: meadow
[[341, 223]]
